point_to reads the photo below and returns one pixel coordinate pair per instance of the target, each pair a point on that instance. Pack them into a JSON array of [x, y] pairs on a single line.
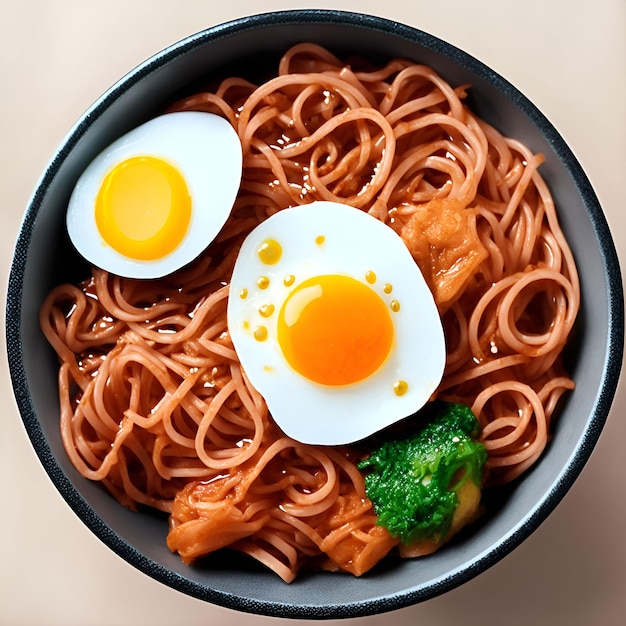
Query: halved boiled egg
[[156, 197], [334, 323]]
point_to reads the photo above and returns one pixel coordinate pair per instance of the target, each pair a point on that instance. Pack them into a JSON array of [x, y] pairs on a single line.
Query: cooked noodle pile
[[154, 403]]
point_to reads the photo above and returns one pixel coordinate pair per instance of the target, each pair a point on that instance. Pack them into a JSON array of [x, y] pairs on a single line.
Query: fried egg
[[155, 198], [334, 323]]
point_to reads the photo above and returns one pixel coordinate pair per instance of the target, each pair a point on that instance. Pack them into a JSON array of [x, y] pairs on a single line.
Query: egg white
[[204, 148], [354, 244]]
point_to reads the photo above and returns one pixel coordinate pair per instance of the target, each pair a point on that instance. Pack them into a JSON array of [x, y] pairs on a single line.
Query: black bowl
[[44, 257]]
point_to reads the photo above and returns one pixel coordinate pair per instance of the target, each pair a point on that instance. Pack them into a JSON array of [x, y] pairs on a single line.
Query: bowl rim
[[612, 362]]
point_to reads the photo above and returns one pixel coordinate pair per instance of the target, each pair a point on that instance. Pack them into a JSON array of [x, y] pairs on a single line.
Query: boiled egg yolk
[[335, 330], [143, 208]]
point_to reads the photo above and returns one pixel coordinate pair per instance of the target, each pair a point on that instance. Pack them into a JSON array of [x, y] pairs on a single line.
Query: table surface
[[58, 56]]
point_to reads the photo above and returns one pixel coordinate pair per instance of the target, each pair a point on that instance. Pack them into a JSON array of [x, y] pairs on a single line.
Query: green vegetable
[[413, 482]]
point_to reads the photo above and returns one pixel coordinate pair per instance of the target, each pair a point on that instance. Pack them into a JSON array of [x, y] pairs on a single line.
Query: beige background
[[56, 58]]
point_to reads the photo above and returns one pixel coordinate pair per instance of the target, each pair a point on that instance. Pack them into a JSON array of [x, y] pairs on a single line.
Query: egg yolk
[[335, 330], [143, 208], [269, 252]]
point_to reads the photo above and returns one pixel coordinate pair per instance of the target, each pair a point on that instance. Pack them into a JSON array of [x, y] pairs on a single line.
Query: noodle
[[153, 400]]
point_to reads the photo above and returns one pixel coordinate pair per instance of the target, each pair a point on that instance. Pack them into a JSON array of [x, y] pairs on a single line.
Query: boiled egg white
[[334, 323], [156, 197]]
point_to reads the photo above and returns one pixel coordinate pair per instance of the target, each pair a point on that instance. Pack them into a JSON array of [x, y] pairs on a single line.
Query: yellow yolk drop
[[143, 208], [269, 252], [335, 330]]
